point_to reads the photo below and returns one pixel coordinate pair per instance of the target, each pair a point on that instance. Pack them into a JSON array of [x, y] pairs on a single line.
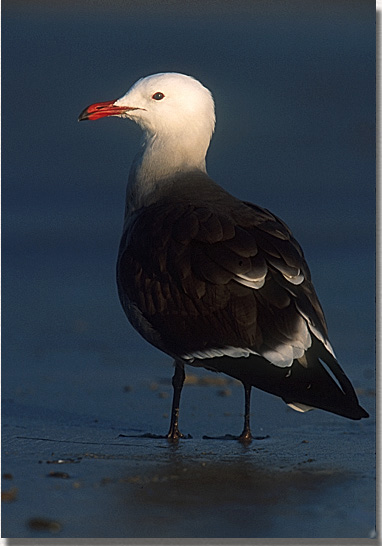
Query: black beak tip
[[83, 116]]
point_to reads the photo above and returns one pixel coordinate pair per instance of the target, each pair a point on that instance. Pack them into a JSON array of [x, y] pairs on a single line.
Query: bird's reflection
[[230, 498]]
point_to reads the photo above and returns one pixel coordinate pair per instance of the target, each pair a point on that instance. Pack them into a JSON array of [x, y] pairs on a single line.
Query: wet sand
[[78, 472]]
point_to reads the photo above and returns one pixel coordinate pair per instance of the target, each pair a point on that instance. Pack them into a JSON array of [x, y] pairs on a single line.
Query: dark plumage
[[177, 266], [217, 282]]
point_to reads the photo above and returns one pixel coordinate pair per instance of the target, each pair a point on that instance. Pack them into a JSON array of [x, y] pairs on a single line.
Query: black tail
[[310, 385]]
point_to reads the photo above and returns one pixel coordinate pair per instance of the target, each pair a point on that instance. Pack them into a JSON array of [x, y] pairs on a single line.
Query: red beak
[[102, 110]]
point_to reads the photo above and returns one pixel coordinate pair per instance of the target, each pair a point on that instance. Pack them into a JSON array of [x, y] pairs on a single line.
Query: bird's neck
[[161, 160]]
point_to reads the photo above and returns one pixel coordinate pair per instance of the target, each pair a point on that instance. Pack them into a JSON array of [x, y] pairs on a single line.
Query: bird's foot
[[174, 434], [156, 436], [243, 438], [227, 437]]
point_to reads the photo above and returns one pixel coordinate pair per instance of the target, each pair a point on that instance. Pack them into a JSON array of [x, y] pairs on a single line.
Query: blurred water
[[295, 101]]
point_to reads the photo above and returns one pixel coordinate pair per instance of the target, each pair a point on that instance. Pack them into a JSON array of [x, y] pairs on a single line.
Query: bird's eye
[[158, 96]]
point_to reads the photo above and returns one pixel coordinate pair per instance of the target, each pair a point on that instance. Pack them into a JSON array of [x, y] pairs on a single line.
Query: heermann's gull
[[211, 280]]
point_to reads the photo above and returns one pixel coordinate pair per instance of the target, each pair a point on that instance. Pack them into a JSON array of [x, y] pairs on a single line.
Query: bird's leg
[[246, 435], [177, 383]]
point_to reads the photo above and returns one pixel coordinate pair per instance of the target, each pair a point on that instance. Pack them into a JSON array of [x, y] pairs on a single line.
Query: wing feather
[[207, 275]]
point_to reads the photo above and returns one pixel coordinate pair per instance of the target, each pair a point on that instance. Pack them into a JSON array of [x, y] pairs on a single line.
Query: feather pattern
[[215, 274]]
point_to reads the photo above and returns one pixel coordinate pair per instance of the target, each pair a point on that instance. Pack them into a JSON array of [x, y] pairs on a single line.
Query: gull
[[211, 280]]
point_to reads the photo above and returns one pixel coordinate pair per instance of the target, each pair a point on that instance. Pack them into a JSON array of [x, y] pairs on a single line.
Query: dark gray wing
[[204, 278]]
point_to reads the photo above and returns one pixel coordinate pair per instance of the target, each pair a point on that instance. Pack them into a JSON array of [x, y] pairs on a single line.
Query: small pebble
[[63, 475], [10, 495], [224, 392], [44, 524]]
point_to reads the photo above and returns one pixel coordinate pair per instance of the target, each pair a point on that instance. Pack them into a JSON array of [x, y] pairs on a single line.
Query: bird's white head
[[170, 104], [177, 115]]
